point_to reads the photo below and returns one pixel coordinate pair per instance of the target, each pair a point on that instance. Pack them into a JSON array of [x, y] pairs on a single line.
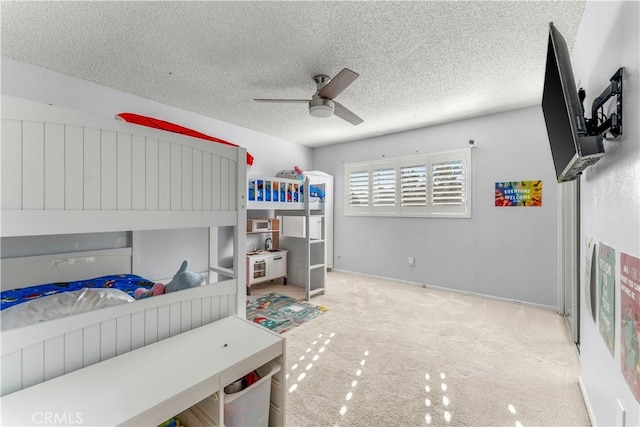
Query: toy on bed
[[272, 190], [292, 190], [295, 173], [183, 279]]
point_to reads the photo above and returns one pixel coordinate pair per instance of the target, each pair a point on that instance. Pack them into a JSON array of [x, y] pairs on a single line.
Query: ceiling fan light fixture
[[321, 110], [321, 103]]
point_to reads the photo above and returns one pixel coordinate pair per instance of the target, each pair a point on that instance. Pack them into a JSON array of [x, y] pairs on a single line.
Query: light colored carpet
[[392, 354]]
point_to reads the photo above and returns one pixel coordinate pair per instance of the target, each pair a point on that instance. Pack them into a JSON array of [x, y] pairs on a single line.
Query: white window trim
[[429, 210]]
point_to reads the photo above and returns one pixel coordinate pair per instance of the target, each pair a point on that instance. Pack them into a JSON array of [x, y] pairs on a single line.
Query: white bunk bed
[[296, 202], [66, 172]]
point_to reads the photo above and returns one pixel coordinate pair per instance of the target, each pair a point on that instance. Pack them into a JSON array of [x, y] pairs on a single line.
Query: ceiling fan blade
[[304, 101], [337, 84], [346, 114]]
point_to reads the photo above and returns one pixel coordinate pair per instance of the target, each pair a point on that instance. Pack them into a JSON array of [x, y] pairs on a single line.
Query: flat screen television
[[572, 148]]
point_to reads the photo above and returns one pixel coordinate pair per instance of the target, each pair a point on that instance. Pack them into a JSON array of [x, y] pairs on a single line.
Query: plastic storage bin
[[250, 407]]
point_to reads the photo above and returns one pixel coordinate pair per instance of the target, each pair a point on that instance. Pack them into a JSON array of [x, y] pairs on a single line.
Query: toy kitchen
[[265, 261]]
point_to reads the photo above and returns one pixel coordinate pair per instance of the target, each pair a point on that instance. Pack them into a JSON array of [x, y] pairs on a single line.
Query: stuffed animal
[[157, 289], [295, 173], [292, 189], [183, 279]]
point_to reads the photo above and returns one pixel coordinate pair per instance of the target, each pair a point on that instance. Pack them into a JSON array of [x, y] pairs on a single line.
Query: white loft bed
[[273, 193], [288, 198], [66, 172]]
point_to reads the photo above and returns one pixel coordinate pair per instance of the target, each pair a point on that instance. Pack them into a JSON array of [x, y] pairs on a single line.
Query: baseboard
[[458, 291], [587, 404]]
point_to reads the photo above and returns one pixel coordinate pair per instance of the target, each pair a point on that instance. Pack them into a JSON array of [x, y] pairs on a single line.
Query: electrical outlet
[[412, 261]]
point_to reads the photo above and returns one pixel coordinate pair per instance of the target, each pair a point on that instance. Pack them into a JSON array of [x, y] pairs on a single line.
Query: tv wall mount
[[599, 123]]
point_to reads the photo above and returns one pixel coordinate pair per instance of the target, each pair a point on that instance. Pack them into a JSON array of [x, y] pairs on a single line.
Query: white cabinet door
[[294, 226], [278, 266]]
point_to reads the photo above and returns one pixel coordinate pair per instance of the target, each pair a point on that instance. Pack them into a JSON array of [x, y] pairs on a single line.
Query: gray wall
[[503, 252], [609, 38]]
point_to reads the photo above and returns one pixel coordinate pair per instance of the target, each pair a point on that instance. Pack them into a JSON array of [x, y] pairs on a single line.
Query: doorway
[[569, 256]]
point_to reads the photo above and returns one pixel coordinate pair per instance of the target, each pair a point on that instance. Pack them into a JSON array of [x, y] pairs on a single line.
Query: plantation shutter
[[428, 185], [358, 194], [447, 183], [413, 185], [384, 187]]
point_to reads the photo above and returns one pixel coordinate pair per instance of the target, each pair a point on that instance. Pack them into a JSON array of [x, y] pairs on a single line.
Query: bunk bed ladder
[[308, 252], [315, 248]]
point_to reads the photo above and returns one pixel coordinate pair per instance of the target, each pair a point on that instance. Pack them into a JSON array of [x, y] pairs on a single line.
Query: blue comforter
[[124, 282]]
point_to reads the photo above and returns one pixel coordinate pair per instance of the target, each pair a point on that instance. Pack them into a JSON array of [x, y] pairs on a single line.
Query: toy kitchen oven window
[[259, 269]]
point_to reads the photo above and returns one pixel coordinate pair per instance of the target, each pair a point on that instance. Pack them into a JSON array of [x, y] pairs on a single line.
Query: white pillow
[[61, 305]]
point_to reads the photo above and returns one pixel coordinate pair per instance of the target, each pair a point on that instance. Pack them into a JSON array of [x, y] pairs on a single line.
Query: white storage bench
[[154, 383]]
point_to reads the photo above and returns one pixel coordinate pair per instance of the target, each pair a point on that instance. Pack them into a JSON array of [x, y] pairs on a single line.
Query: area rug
[[281, 313]]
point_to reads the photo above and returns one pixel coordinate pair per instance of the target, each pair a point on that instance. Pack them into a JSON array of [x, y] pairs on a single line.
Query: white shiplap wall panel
[[54, 357], [232, 185], [150, 326], [164, 175], [152, 180], [74, 168], [108, 343], [224, 184], [176, 177], [92, 164], [108, 168], [206, 310], [206, 181], [185, 316], [11, 370], [123, 176], [73, 351], [224, 307], [33, 165], [11, 158], [196, 313], [216, 183], [91, 345], [175, 318], [54, 173], [33, 357], [187, 179], [138, 172], [123, 334], [197, 180], [164, 322], [137, 330]]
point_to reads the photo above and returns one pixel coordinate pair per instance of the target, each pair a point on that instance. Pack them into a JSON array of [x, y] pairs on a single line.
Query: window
[[434, 185]]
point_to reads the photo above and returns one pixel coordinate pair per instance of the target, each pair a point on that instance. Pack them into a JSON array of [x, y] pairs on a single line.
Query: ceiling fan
[[322, 103]]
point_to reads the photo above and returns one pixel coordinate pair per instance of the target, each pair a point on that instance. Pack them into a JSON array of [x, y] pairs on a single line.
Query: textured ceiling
[[420, 63]]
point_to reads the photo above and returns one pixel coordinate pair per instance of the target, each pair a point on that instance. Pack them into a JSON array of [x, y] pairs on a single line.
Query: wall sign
[[630, 321], [518, 193]]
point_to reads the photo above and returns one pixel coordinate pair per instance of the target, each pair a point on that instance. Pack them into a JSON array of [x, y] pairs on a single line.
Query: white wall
[[609, 38], [502, 252], [157, 260]]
